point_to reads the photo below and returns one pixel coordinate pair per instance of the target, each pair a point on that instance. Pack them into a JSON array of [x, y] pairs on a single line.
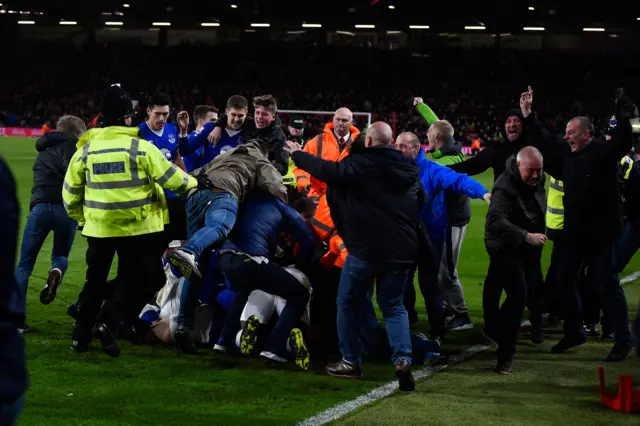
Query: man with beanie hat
[[113, 188], [495, 156]]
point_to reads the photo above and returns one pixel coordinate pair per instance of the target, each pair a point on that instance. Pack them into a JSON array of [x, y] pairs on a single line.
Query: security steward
[[333, 144], [554, 219], [113, 187]]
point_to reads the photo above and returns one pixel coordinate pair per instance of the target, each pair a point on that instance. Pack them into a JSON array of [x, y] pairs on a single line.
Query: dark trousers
[[428, 264], [134, 287], [245, 275], [175, 230], [628, 244], [323, 328], [520, 276], [177, 227], [599, 257], [590, 297]]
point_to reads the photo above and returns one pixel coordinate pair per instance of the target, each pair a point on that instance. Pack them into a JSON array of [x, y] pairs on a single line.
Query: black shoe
[[108, 341], [608, 337], [183, 338], [591, 330], [405, 378], [344, 369], [79, 347], [73, 310], [505, 368], [619, 351], [48, 293], [537, 333], [568, 342]]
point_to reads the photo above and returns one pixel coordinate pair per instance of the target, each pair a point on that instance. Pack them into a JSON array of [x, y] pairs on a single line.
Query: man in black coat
[[375, 197], [13, 370], [514, 236], [589, 171], [47, 212], [495, 156]]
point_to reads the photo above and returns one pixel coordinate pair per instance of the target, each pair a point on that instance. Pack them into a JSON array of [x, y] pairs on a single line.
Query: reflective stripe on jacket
[[325, 146], [112, 185], [290, 178], [321, 221], [555, 207]]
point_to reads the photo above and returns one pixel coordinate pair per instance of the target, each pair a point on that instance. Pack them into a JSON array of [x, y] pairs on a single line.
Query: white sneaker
[[220, 348], [273, 357]]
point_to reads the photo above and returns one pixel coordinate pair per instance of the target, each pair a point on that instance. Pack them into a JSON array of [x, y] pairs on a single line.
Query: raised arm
[[448, 180]]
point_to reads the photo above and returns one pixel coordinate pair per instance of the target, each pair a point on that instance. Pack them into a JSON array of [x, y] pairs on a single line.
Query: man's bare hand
[[417, 101], [536, 240], [487, 198], [526, 100], [215, 135], [292, 147], [183, 122]]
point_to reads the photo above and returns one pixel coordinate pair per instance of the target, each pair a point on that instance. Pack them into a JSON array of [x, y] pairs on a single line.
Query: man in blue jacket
[[436, 180], [246, 261], [13, 370]]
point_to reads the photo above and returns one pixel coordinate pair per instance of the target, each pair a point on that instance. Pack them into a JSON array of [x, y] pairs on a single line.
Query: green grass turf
[[155, 385]]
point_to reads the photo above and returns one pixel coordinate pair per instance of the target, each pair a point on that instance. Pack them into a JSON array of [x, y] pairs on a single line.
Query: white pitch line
[[629, 278], [384, 391]]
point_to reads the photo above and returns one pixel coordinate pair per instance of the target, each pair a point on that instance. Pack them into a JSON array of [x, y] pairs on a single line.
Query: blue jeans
[[210, 217], [627, 245], [44, 218], [356, 281]]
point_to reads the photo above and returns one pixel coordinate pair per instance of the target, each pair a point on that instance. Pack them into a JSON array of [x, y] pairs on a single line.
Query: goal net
[[316, 120]]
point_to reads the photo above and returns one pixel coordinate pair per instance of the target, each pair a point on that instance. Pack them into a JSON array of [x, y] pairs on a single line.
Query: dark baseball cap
[[297, 122]]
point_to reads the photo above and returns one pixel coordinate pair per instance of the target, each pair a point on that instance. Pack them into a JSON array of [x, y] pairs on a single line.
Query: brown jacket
[[242, 169]]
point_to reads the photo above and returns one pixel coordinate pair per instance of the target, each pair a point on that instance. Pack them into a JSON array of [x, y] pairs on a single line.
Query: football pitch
[[155, 385]]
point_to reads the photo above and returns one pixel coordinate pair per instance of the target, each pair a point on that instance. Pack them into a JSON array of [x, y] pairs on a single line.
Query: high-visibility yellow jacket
[[555, 206], [113, 184], [290, 179]]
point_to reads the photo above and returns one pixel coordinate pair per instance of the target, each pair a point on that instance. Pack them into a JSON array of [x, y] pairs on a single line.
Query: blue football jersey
[[165, 140], [226, 143]]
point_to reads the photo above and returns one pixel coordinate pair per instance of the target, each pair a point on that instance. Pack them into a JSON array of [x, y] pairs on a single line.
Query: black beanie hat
[[116, 105]]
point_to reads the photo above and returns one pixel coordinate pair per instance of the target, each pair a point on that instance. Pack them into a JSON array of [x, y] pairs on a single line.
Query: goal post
[[296, 111]]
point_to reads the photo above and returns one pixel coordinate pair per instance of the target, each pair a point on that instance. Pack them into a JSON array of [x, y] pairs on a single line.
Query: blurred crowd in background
[[471, 88]]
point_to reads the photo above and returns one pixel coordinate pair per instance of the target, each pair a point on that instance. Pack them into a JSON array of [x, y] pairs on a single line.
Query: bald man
[[514, 237], [375, 197], [332, 144], [439, 182]]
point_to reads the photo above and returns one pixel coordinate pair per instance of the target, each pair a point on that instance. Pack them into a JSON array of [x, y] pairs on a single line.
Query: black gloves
[[625, 108], [203, 182]]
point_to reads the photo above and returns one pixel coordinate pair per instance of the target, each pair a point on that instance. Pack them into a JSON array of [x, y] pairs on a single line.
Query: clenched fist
[[536, 240]]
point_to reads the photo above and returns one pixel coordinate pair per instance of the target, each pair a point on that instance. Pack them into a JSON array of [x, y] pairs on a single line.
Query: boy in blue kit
[[193, 153], [164, 136]]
